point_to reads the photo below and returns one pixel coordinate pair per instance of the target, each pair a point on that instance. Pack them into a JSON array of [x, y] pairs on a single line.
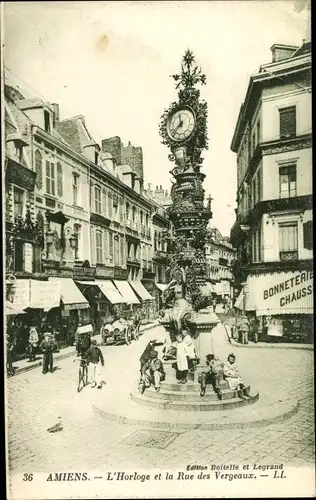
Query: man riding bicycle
[[83, 344]]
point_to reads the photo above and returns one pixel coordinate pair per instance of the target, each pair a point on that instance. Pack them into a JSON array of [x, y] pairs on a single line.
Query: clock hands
[[180, 125]]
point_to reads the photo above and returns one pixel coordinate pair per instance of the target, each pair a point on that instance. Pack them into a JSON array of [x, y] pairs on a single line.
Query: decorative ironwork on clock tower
[[183, 129]]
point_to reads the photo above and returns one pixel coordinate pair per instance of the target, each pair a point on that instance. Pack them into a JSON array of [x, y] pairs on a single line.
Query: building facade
[[273, 228], [79, 226], [220, 256]]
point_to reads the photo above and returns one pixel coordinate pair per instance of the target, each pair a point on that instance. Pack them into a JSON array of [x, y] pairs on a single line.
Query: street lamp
[[73, 240]]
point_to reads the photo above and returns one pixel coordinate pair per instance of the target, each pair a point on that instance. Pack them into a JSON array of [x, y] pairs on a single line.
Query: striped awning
[[141, 290], [126, 291], [70, 294], [111, 292]]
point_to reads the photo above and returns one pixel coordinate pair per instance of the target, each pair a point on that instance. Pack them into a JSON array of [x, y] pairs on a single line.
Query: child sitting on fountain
[[231, 374], [212, 373]]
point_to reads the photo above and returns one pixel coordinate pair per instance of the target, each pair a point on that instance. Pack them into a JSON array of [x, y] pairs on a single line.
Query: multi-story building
[[220, 256], [78, 224], [273, 228]]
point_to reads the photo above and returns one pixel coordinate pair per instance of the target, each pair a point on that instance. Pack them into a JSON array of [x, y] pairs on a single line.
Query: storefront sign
[[104, 272], [83, 272], [281, 293], [45, 294], [21, 295]]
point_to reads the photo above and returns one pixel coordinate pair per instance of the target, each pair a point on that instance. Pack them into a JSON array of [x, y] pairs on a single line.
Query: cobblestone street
[[35, 403]]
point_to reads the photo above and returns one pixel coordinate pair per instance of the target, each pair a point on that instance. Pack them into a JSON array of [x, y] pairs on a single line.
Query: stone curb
[[65, 355], [199, 426], [306, 347]]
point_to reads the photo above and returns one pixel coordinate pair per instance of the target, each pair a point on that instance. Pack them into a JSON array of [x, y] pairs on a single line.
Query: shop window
[[287, 122], [287, 176], [50, 178], [75, 188], [18, 202], [97, 200], [288, 241], [19, 256], [99, 247]]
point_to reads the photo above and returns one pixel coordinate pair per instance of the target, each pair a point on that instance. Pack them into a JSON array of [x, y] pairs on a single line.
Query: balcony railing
[[293, 255]]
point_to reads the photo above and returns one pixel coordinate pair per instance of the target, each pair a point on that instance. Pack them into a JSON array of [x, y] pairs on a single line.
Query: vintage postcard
[[158, 280]]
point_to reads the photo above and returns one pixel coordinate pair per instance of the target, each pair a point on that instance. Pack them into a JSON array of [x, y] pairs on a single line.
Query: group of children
[[152, 370]]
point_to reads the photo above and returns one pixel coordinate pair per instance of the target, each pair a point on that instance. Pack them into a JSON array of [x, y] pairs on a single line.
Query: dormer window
[[46, 121]]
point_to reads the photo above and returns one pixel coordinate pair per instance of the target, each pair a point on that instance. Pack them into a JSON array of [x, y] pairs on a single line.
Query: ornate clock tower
[[183, 129]]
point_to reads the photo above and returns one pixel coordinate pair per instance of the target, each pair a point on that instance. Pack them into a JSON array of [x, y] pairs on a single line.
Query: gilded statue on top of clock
[[181, 124]]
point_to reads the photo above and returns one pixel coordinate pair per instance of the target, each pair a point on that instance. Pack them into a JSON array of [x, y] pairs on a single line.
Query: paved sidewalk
[[24, 365], [277, 345]]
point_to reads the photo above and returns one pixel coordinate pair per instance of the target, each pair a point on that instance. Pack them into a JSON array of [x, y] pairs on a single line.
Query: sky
[[111, 62]]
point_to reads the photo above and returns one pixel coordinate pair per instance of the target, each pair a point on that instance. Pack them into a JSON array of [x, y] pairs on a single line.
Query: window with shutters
[[38, 169], [59, 179], [308, 235], [287, 122], [288, 241], [122, 251], [99, 247], [75, 188], [97, 200], [104, 202], [287, 176], [110, 204], [111, 245], [19, 196], [50, 178], [19, 255]]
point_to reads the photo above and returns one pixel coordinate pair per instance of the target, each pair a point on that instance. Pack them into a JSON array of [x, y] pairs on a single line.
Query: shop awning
[[11, 310], [20, 296], [44, 294], [239, 304], [161, 286], [85, 329], [111, 293], [126, 291], [141, 290], [70, 294]]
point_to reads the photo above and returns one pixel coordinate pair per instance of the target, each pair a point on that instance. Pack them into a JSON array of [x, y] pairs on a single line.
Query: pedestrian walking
[[33, 343], [48, 346], [95, 360]]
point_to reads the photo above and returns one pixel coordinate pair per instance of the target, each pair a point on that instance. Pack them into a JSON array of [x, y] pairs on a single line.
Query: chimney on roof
[[280, 52], [55, 107]]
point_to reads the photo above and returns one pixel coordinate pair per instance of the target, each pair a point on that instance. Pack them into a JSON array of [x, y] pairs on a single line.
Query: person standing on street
[[95, 360], [243, 329], [48, 346], [33, 343]]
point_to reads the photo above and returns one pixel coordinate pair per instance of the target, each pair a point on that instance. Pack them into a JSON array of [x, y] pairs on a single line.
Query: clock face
[[181, 124]]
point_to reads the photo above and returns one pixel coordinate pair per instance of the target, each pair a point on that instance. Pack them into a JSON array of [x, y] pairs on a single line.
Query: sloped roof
[[75, 132]]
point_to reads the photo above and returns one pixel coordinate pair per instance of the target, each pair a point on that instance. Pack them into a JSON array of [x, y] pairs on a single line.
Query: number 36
[[27, 477]]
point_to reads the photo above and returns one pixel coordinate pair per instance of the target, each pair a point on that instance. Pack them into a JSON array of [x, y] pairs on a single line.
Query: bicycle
[[82, 374]]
